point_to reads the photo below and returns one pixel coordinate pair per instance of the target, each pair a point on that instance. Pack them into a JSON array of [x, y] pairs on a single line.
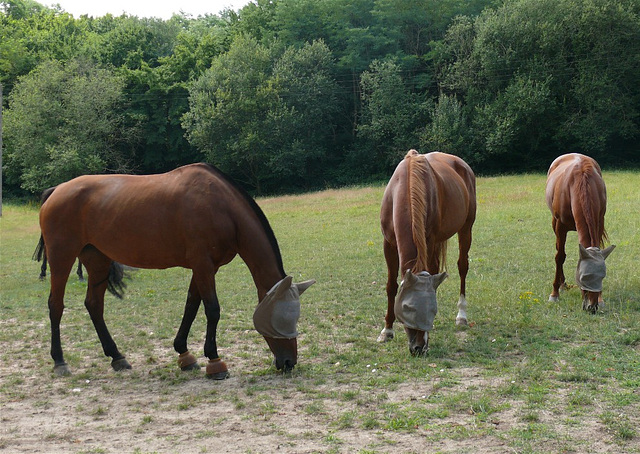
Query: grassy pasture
[[527, 376]]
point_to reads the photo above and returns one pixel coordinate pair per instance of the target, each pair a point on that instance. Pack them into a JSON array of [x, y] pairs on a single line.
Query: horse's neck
[[260, 256]]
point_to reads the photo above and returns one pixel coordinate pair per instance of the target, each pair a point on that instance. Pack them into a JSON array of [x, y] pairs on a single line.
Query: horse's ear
[[409, 278], [302, 286], [607, 251], [584, 254], [283, 286], [438, 279]]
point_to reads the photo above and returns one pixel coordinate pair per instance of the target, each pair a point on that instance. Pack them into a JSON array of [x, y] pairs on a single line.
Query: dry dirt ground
[[153, 409]]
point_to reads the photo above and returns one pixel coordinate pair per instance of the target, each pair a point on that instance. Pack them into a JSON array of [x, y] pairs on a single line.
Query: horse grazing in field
[[193, 217], [428, 199], [577, 197]]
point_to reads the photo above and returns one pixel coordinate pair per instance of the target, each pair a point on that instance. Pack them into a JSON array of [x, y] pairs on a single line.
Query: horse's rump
[[576, 196], [442, 191]]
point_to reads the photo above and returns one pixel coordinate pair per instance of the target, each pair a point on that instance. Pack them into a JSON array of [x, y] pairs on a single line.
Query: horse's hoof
[[553, 299], [187, 361], [219, 376], [462, 322], [61, 370], [217, 369], [385, 335], [120, 364], [419, 351]]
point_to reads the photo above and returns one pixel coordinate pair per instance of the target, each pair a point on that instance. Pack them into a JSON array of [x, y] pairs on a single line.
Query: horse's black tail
[[115, 281], [40, 254]]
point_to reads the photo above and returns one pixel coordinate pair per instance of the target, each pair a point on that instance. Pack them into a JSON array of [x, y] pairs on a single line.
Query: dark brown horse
[[429, 199], [193, 217], [577, 197]]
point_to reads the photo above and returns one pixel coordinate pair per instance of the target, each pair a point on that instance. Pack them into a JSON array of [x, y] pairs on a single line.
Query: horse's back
[[450, 167], [141, 220], [457, 187]]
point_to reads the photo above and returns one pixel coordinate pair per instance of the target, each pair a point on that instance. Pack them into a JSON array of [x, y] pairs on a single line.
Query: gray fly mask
[[416, 306], [277, 314], [591, 268]]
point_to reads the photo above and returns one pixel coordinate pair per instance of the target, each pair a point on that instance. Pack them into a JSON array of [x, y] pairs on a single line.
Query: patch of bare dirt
[[154, 409]]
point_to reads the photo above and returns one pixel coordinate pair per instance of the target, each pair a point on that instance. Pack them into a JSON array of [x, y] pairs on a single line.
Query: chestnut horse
[[428, 199], [193, 217], [577, 197]]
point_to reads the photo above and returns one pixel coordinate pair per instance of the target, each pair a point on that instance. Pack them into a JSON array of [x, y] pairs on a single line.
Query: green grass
[[527, 373]]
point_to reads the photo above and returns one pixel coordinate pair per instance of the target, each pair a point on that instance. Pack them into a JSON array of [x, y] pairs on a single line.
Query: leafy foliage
[[64, 121], [292, 95]]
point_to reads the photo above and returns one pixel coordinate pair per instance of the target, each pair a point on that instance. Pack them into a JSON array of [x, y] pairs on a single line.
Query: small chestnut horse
[[193, 217], [577, 197], [429, 199]]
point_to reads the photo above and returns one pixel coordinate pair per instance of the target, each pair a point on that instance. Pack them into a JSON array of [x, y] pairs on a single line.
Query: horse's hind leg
[[393, 264], [464, 244], [97, 265], [186, 360], [561, 239], [59, 275]]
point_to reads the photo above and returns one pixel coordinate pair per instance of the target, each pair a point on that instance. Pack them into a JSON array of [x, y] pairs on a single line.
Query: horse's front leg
[[464, 244], [559, 279], [186, 360], [393, 263], [216, 368]]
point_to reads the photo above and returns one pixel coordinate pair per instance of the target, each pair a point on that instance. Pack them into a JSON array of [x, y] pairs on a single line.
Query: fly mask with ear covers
[[591, 268], [277, 314], [416, 306]]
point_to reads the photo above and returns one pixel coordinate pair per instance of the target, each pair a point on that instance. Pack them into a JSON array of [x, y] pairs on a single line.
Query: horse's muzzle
[[418, 341], [590, 301], [285, 352]]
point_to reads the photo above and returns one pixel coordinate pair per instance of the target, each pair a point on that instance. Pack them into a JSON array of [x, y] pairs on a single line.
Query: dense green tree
[[264, 117], [391, 117], [293, 94], [31, 33], [543, 77], [448, 131], [63, 120], [227, 117]]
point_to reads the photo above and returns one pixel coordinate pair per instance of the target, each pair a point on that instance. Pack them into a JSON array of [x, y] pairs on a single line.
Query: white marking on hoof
[[461, 318], [385, 335], [553, 299]]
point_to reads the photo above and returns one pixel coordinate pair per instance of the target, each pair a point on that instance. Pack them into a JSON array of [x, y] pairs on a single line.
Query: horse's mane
[[418, 172], [257, 210], [584, 184]]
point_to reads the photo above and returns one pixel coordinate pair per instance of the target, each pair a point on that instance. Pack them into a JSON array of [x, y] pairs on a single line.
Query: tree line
[[295, 95]]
